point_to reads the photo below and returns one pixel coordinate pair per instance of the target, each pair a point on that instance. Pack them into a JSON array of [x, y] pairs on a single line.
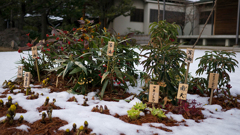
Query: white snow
[[23, 127], [218, 123]]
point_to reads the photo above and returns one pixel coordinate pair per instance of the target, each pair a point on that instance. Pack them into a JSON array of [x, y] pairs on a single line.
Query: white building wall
[[121, 23], [146, 19], [207, 29], [192, 20]]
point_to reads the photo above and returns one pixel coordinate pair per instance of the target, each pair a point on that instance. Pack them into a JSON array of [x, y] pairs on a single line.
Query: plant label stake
[[20, 72], [34, 56], [153, 93], [27, 77], [110, 48], [34, 52], [189, 59], [182, 91], [12, 43], [213, 82], [85, 43]]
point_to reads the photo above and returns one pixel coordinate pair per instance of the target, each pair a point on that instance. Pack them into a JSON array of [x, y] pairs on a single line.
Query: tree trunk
[[44, 25], [1, 22], [22, 14]]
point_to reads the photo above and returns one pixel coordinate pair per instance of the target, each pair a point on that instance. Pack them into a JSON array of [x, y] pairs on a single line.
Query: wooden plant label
[[182, 91], [12, 43], [213, 80], [153, 93], [110, 48], [190, 54], [85, 42], [27, 77], [34, 52], [20, 72]]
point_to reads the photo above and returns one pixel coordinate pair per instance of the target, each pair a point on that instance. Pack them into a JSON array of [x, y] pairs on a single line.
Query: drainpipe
[[237, 31], [212, 18], [193, 20], [164, 9]]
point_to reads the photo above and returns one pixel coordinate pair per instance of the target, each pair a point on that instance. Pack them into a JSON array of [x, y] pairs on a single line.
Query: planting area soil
[[3, 110], [43, 107], [226, 104], [48, 128], [51, 127]]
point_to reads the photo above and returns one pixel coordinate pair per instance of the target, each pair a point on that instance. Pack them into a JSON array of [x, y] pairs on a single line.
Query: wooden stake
[[153, 105], [211, 96], [186, 76], [57, 82], [37, 70]]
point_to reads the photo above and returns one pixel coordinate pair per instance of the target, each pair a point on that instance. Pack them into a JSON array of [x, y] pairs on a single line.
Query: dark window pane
[[170, 16], [137, 15], [154, 15], [203, 17]]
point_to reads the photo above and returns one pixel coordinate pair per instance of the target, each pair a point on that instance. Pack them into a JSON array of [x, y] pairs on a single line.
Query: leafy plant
[[133, 113], [75, 57], [219, 62], [140, 106], [157, 112], [189, 108], [197, 84], [29, 64], [112, 68], [10, 114], [164, 60]]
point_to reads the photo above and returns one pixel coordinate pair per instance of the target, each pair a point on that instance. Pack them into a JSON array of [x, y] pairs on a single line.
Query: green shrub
[[220, 62], [164, 60]]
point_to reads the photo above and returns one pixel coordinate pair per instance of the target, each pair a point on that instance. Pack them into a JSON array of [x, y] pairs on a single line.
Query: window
[[203, 17], [154, 15], [137, 15], [170, 16]]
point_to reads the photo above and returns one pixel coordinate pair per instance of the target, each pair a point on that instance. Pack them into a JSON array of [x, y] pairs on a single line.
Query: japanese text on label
[[182, 91], [20, 72], [110, 48], [190, 54], [153, 93], [34, 52], [213, 80], [27, 77]]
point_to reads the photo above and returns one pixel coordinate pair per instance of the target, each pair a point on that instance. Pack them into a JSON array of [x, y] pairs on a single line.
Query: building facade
[[189, 16]]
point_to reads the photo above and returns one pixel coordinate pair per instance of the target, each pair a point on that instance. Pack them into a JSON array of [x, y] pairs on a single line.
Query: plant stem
[[37, 70], [186, 76]]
